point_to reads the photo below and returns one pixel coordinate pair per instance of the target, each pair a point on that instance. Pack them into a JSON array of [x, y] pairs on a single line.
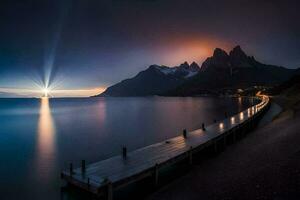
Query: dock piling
[[203, 127], [184, 133]]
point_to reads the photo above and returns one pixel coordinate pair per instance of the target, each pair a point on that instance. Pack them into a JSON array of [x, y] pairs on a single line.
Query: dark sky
[[85, 44]]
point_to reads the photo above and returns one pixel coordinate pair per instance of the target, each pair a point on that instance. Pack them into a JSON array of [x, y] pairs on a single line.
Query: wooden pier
[[102, 177]]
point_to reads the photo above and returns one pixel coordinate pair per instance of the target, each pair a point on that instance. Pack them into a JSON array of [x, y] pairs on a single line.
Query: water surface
[[40, 137]]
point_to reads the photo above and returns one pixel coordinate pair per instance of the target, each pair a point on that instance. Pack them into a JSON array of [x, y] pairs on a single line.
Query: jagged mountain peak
[[237, 48], [155, 66], [194, 66], [238, 54], [219, 53], [182, 67], [235, 59], [154, 80], [183, 70], [219, 59], [233, 70], [185, 64]]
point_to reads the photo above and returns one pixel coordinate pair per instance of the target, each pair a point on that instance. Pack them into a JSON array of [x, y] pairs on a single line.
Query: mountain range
[[221, 71]]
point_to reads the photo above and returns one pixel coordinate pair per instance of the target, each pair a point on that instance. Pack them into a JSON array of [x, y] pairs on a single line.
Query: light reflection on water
[[40, 137], [45, 140]]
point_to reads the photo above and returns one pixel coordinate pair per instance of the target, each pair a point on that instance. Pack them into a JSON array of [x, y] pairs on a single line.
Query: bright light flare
[[45, 92]]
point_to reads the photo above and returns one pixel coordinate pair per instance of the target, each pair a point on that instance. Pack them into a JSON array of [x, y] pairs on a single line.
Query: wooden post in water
[[184, 133], [203, 127], [83, 166], [124, 152]]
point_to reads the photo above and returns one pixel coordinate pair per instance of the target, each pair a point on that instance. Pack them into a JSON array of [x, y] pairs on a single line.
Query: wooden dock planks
[[117, 171]]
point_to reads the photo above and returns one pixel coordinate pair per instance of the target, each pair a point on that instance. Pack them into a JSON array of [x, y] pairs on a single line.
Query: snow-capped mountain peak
[[184, 70]]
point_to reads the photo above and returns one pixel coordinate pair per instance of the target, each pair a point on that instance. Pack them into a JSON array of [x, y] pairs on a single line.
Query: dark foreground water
[[40, 137]]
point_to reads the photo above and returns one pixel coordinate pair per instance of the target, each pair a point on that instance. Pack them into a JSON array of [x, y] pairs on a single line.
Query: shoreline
[[263, 165]]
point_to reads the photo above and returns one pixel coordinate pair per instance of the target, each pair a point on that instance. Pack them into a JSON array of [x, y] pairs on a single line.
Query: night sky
[[81, 47]]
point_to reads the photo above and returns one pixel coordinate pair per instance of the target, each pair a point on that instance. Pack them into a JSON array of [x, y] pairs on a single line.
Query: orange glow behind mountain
[[190, 50]]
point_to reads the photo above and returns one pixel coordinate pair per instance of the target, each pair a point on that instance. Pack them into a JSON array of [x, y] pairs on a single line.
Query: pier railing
[[102, 177]]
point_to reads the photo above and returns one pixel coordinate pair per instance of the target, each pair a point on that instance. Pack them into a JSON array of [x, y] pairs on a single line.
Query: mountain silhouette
[[231, 71], [155, 80], [221, 71]]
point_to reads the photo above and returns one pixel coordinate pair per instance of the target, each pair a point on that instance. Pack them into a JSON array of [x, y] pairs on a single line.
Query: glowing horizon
[[40, 92]]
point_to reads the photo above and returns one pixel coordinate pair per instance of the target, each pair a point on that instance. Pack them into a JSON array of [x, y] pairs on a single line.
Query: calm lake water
[[40, 137]]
